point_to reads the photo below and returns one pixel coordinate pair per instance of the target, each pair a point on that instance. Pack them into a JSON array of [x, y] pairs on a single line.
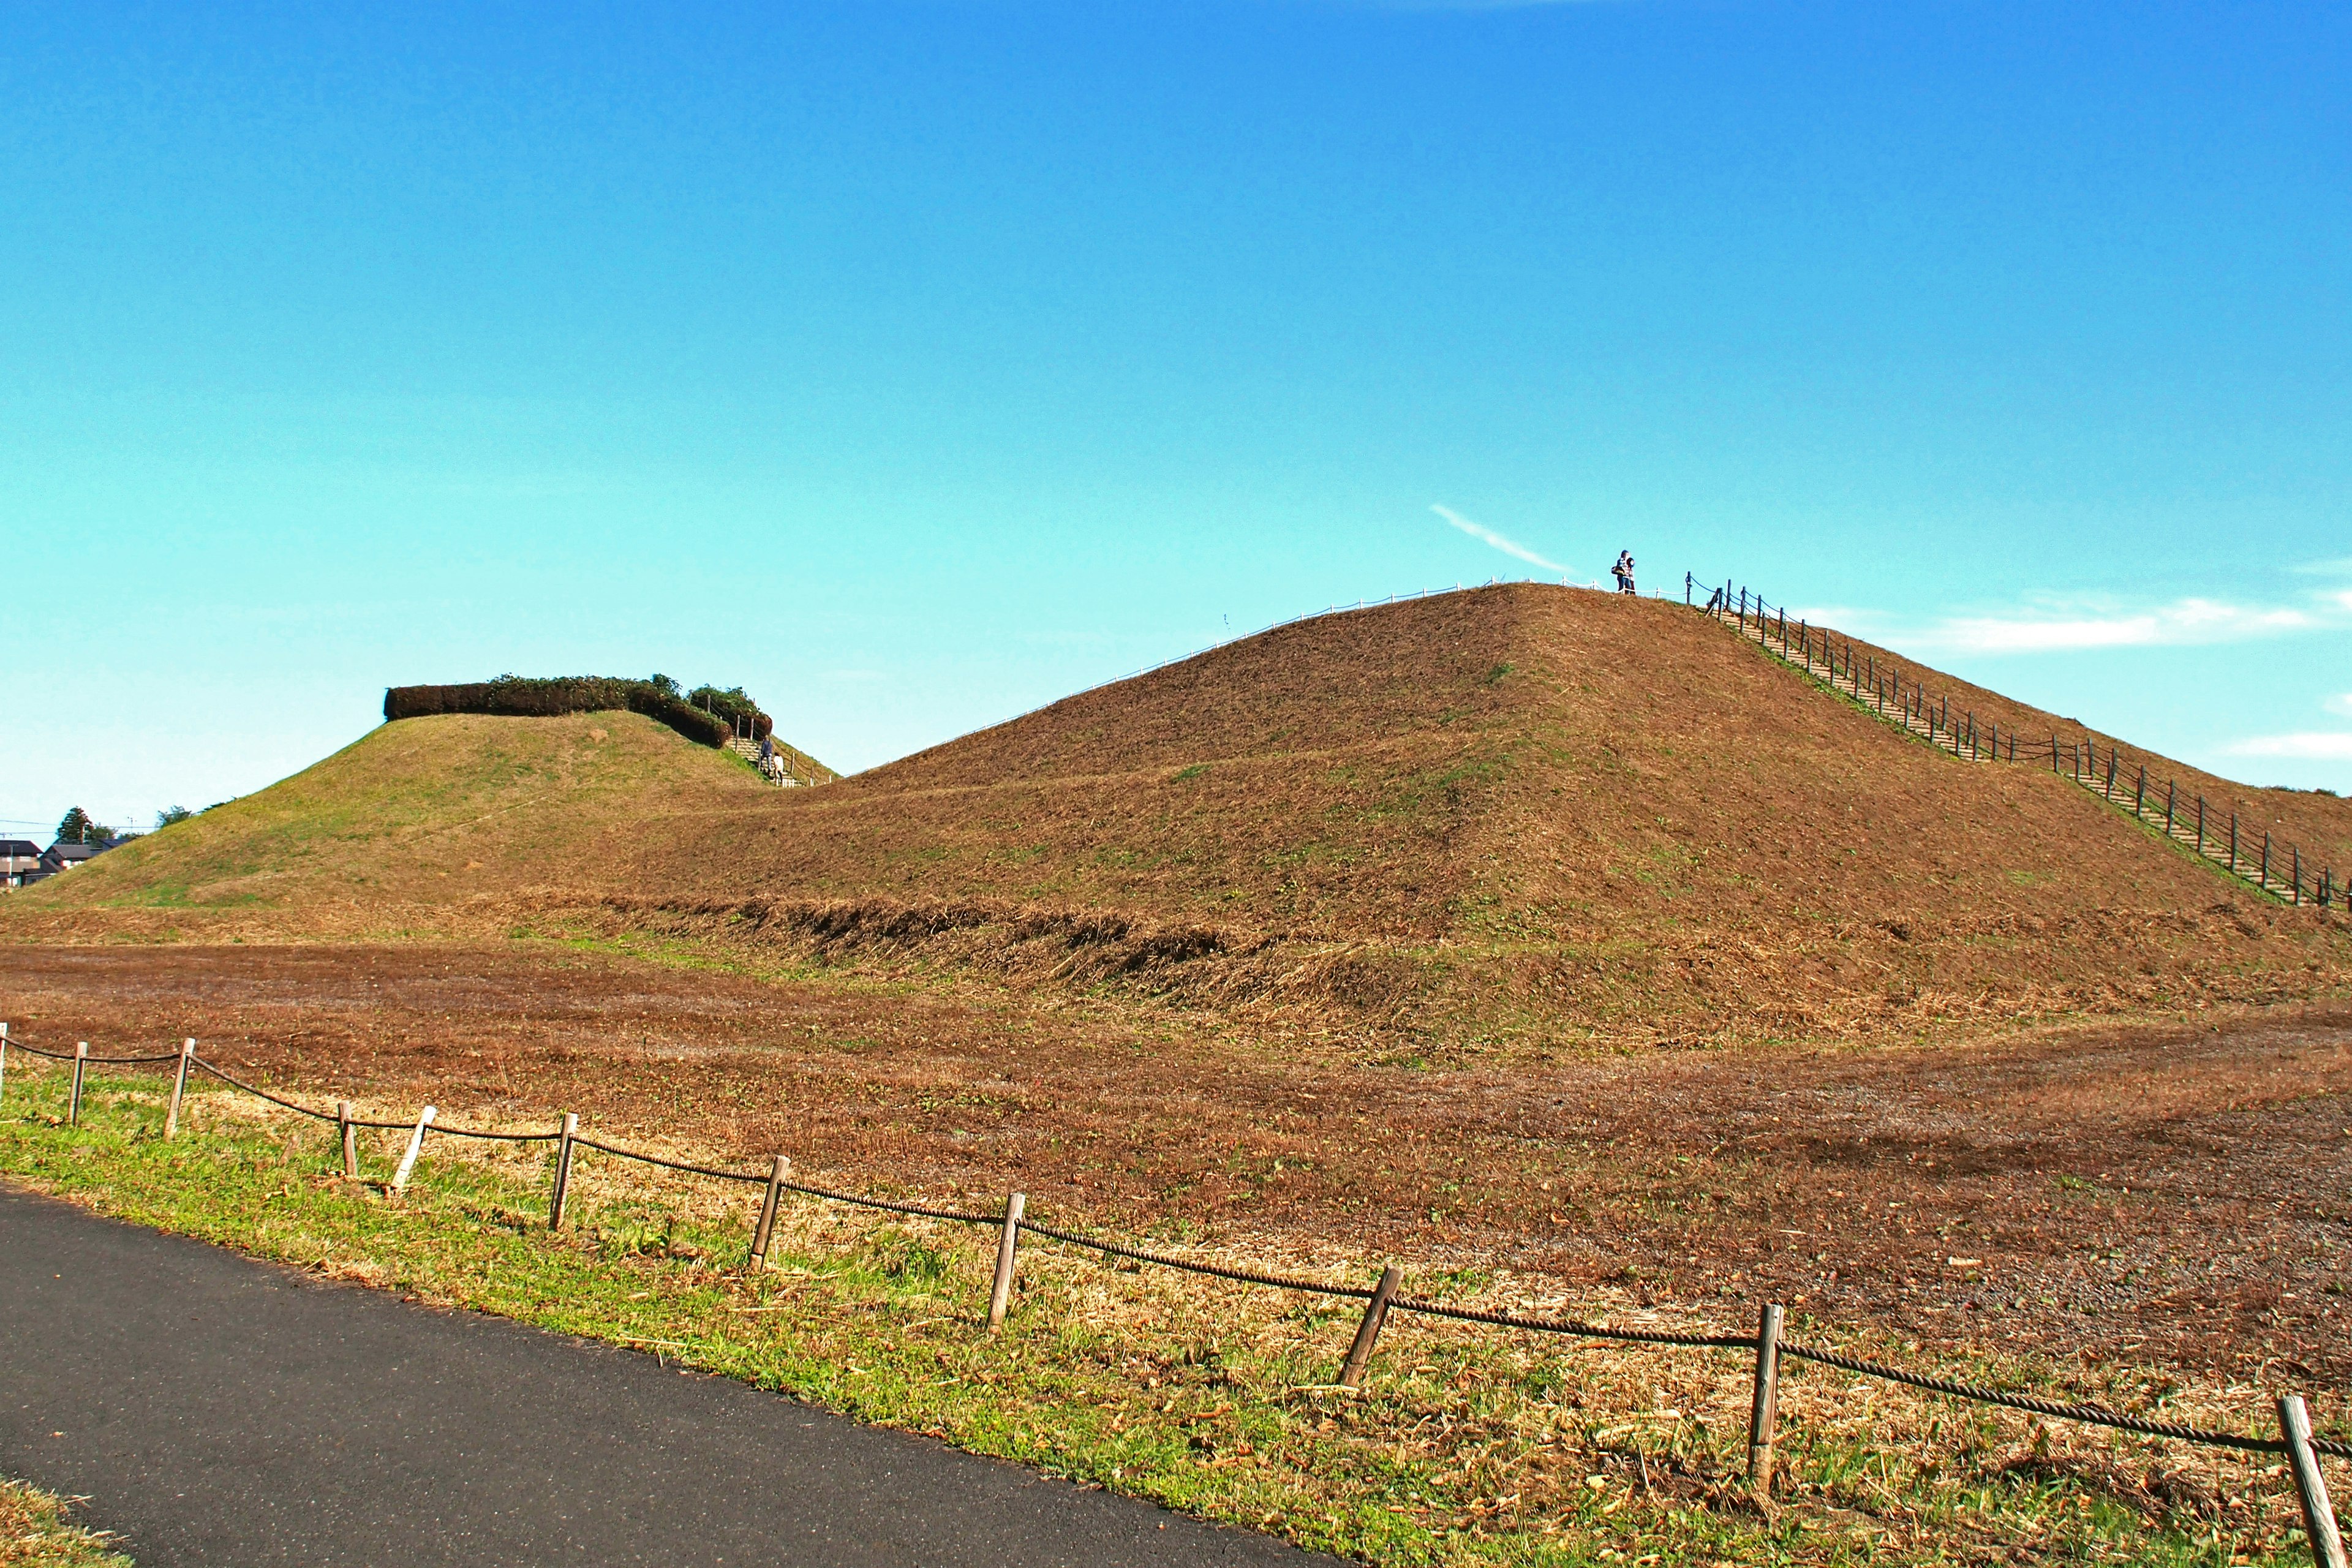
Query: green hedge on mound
[[516, 696]]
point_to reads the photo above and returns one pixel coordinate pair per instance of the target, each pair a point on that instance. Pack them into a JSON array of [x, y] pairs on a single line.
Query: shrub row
[[733, 705], [513, 696]]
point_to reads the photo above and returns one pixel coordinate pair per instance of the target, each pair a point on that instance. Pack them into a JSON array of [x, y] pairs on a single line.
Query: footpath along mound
[[1521, 812]]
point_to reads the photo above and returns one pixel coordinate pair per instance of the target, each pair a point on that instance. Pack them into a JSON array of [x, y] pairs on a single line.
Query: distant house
[[18, 857], [63, 856]]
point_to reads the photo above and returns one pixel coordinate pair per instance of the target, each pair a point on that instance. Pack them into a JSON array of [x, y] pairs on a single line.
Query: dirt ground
[[2161, 1192]]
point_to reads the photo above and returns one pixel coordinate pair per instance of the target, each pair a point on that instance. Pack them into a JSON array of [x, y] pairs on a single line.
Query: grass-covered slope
[[428, 812], [1519, 758]]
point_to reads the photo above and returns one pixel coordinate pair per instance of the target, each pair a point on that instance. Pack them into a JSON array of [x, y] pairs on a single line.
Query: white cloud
[[2339, 705], [2182, 621], [1488, 536], [2309, 746]]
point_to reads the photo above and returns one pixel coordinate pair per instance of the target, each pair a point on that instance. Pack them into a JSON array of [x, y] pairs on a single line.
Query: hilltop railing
[[2296, 1440], [2279, 869], [801, 765]]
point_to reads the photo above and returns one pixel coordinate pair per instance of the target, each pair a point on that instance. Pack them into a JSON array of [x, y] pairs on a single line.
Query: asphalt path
[[222, 1412]]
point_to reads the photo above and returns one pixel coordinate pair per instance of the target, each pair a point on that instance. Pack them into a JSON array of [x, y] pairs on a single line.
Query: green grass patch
[[37, 1530]]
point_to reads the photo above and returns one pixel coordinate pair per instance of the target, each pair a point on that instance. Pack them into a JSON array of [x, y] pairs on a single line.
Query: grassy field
[[1467, 1447], [37, 1530]]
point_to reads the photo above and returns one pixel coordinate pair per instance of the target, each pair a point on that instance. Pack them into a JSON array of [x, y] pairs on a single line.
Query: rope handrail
[[202, 1065], [2091, 1415], [1189, 1266], [14, 1044], [490, 1137], [581, 1141], [1572, 1327], [958, 1216], [199, 1062]]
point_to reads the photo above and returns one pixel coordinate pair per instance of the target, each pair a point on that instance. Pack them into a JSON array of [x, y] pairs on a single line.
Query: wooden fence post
[[179, 1087], [2233, 842], [2295, 873], [2200, 825], [1008, 1243], [2266, 883], [1765, 1412], [73, 1106], [2310, 1485], [3, 1058], [779, 1173], [2167, 808], [1368, 1332], [563, 1170], [348, 1137], [415, 1147]]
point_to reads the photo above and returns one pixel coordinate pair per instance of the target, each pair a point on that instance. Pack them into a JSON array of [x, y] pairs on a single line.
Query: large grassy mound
[[1518, 811]]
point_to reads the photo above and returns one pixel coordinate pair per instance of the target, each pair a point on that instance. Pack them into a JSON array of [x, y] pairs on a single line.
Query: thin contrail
[[1488, 536]]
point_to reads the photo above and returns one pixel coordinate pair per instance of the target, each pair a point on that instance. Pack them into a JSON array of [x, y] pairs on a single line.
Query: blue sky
[[913, 363]]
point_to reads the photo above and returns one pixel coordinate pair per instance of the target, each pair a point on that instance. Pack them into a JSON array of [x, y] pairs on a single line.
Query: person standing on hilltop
[[1624, 571]]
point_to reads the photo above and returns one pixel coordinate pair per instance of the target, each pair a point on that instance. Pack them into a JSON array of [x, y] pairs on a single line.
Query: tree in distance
[[171, 814], [78, 827]]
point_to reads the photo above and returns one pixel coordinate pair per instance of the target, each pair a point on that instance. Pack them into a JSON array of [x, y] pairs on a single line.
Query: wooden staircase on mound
[[793, 767], [2185, 823]]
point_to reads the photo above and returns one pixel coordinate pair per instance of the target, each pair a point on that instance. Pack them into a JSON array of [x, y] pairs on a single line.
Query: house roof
[[72, 851], [18, 850]]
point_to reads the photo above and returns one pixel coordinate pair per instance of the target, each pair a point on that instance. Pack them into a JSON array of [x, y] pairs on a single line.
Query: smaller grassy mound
[[433, 812]]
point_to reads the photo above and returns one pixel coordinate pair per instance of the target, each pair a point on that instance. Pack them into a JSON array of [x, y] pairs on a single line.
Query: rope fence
[[2296, 1440], [2279, 870]]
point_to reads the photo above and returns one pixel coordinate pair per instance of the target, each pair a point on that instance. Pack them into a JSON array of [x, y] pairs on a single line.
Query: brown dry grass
[[2157, 1192]]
